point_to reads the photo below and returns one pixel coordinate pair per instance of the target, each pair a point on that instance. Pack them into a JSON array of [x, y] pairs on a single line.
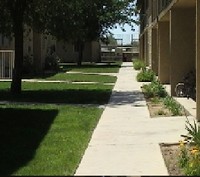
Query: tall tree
[[91, 21], [76, 21], [15, 14]]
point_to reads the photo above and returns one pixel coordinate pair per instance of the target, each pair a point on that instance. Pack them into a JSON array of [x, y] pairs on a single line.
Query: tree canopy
[[67, 19], [70, 20]]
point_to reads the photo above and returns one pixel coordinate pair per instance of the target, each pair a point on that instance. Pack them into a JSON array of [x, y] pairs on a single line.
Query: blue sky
[[128, 30], [126, 36]]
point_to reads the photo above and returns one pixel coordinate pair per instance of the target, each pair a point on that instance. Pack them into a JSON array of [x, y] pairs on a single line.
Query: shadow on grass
[[21, 131], [66, 67], [69, 96], [96, 66]]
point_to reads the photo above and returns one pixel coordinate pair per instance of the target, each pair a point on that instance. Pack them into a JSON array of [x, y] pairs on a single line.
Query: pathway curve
[[126, 140]]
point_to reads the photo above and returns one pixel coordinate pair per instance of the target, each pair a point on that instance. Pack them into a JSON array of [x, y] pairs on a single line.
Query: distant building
[[118, 52], [68, 52], [38, 46]]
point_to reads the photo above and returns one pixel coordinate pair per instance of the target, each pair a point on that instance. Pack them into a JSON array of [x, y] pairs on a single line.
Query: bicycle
[[187, 88]]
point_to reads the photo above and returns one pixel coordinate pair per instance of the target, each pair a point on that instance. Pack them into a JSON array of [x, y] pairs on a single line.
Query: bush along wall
[[138, 64], [146, 75]]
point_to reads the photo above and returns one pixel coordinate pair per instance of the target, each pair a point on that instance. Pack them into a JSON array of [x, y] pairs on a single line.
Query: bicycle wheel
[[180, 90]]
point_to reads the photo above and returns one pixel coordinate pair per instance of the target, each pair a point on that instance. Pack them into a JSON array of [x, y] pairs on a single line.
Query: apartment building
[[170, 40], [69, 52], [36, 48]]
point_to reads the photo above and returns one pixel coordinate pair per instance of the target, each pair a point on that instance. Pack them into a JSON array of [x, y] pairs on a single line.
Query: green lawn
[[59, 93], [80, 78], [93, 68], [45, 139], [50, 139]]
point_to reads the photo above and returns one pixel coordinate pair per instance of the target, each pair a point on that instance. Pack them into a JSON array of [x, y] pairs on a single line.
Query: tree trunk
[[17, 72]]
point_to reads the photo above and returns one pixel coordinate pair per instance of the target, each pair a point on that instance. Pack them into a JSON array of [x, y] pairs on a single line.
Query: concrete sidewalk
[[126, 140]]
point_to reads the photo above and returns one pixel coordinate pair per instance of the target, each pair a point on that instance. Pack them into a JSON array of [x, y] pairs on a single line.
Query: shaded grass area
[[41, 139], [107, 67], [44, 140], [92, 67], [112, 67], [80, 78], [58, 93]]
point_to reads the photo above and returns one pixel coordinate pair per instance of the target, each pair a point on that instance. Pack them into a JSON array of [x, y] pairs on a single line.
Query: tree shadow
[[40, 76], [101, 65], [123, 98], [66, 67], [21, 132], [68, 96]]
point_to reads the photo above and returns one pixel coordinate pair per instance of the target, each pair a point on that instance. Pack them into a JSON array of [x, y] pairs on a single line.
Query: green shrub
[[158, 89], [154, 89], [155, 100], [183, 158], [173, 106], [189, 156], [138, 64], [148, 91], [146, 76], [194, 132]]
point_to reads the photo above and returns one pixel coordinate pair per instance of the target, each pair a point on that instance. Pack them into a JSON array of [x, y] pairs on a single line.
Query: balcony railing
[[151, 8], [6, 63]]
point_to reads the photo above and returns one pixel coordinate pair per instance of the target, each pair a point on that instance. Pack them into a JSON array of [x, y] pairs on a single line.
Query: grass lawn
[[93, 68], [44, 139], [58, 93], [80, 78], [50, 139], [85, 68]]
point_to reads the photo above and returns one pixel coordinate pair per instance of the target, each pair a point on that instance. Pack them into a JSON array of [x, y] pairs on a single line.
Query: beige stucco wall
[[146, 48], [41, 47], [6, 43], [198, 59], [38, 64], [28, 42], [182, 40], [35, 45], [47, 41], [141, 48], [163, 52], [95, 51], [155, 50], [67, 53], [87, 52]]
